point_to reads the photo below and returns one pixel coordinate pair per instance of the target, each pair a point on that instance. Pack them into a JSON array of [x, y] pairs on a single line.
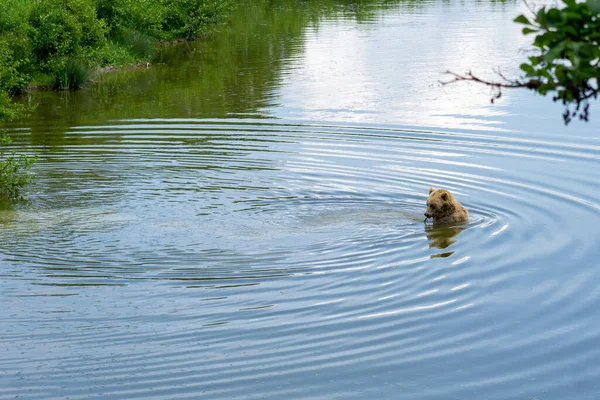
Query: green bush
[[14, 170], [11, 81], [189, 18], [10, 110], [11, 78], [163, 19], [15, 46], [14, 14], [63, 29], [144, 16], [58, 41], [116, 54], [39, 36]]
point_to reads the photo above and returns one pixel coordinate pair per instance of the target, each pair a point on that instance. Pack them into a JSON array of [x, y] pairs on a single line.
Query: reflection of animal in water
[[444, 208], [442, 238]]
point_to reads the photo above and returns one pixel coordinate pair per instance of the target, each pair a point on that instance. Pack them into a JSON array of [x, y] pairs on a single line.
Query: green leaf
[[554, 16], [545, 88], [574, 15], [569, 29], [527, 31], [541, 16], [521, 19], [528, 69], [545, 39], [535, 60]]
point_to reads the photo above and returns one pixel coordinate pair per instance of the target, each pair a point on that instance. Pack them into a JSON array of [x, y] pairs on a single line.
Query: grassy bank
[[58, 43]]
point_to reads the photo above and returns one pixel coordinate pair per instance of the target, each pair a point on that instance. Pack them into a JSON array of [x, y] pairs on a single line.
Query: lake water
[[244, 219]]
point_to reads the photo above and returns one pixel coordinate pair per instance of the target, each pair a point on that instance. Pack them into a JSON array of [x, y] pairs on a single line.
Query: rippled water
[[254, 228]]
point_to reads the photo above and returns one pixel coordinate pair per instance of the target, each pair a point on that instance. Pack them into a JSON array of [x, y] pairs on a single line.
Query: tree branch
[[470, 77]]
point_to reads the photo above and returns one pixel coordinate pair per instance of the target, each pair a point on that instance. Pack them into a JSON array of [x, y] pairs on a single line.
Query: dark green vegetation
[[566, 62], [14, 170], [59, 42]]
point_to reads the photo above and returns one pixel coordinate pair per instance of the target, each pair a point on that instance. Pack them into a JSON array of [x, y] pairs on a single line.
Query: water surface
[[244, 219]]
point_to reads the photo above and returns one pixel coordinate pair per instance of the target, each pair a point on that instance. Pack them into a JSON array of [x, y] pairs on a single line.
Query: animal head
[[440, 203]]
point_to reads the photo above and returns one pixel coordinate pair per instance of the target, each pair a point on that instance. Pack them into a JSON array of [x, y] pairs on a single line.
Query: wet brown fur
[[444, 208]]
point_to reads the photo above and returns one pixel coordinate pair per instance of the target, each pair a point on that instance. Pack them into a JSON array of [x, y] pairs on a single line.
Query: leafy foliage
[[192, 16], [58, 41], [63, 29], [14, 170], [10, 110], [11, 78], [568, 63], [162, 19]]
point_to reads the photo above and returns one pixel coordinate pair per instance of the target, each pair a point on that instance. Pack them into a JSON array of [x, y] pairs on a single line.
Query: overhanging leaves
[[567, 62]]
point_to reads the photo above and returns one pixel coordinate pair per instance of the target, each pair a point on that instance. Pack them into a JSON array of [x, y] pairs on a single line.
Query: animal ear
[[444, 196], [430, 190]]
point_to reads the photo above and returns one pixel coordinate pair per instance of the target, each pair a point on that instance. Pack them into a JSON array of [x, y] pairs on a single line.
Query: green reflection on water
[[234, 73]]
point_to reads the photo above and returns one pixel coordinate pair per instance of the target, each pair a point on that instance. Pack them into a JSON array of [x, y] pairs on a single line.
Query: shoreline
[[48, 87]]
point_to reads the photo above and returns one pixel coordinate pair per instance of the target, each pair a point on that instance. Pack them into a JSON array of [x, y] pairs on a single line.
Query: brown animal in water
[[444, 208]]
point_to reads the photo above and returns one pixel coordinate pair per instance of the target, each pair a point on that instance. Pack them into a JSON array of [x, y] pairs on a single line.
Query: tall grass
[[137, 43], [73, 75]]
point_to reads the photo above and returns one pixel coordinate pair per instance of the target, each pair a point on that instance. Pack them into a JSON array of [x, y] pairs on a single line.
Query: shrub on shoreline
[[72, 75], [14, 170], [57, 42]]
